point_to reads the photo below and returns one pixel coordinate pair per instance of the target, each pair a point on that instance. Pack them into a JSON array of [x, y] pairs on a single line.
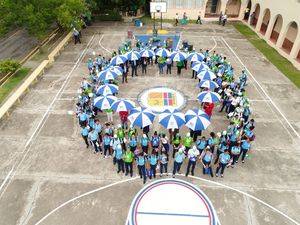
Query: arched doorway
[[213, 8], [265, 22], [254, 16], [290, 37], [233, 8], [248, 10], [276, 29]]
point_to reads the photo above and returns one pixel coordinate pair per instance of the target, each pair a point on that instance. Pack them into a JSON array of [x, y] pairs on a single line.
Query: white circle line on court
[[197, 178]]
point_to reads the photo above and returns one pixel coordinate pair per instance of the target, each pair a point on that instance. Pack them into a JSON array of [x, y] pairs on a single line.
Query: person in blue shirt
[[178, 160], [144, 141], [83, 119], [93, 136], [98, 128], [84, 134], [224, 160], [155, 141], [133, 143], [206, 159], [221, 149], [235, 153], [201, 144], [106, 144], [119, 158], [141, 161], [163, 163], [153, 164], [245, 147]]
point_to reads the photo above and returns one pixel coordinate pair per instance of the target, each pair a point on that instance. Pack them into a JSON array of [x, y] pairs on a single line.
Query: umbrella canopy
[[147, 53], [107, 74], [123, 105], [141, 117], [197, 120], [208, 84], [117, 69], [206, 74], [172, 119], [117, 60], [209, 96], [163, 52], [199, 66], [196, 57], [104, 102], [178, 56], [133, 55], [107, 89]]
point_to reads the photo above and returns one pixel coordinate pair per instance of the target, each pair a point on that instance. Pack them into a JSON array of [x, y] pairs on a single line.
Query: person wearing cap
[[201, 144], [193, 154], [179, 157], [84, 134], [245, 147], [128, 158], [187, 142], [144, 142], [224, 160], [106, 144], [163, 162], [206, 159], [165, 144], [118, 154], [176, 143], [141, 161], [133, 143], [153, 164]]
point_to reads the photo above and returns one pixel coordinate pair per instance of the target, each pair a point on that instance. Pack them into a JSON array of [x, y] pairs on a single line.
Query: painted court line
[[171, 214], [6, 178], [100, 40], [262, 89], [43, 120], [193, 177]]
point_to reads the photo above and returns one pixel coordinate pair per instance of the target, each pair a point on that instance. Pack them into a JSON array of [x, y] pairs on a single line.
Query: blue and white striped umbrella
[[147, 53], [199, 66], [196, 57], [197, 120], [104, 102], [178, 56], [117, 69], [107, 74], [206, 74], [171, 119], [118, 59], [133, 55], [209, 96], [141, 117], [208, 84], [162, 52], [123, 105], [107, 89]]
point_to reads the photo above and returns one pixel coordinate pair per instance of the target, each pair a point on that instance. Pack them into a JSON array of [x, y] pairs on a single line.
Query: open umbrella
[[199, 66], [196, 57], [107, 75], [107, 89], [122, 105], [171, 119], [141, 117], [117, 69], [117, 60], [162, 52], [209, 96], [147, 53], [206, 74], [197, 120], [208, 84], [133, 55], [104, 102], [178, 56]]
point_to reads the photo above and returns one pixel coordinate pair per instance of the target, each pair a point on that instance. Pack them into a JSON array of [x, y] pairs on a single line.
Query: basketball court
[[48, 177]]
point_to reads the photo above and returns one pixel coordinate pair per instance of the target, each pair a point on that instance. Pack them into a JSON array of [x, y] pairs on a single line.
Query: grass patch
[[12, 82], [284, 65]]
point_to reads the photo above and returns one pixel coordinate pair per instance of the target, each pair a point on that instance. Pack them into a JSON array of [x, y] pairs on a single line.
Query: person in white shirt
[[193, 154]]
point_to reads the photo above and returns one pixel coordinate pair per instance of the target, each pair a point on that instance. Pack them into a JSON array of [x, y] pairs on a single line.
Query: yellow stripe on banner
[[158, 31]]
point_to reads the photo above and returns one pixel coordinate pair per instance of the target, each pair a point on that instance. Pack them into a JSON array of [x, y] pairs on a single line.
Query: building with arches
[[277, 22]]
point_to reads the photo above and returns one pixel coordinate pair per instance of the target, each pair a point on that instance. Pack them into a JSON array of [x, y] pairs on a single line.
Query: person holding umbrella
[[193, 154]]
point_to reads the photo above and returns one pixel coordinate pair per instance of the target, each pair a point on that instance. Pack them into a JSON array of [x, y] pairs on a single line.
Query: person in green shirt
[[128, 157], [187, 142], [109, 113], [180, 65], [176, 143]]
